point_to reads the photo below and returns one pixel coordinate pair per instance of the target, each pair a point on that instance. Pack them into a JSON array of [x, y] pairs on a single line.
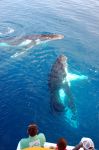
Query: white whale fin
[[73, 77], [25, 43], [71, 118]]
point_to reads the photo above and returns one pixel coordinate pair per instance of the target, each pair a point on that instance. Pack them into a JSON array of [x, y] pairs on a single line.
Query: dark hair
[[62, 143], [32, 129]]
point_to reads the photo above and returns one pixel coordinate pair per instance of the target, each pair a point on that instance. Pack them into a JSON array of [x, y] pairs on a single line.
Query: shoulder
[[24, 143], [77, 147], [23, 140], [41, 136]]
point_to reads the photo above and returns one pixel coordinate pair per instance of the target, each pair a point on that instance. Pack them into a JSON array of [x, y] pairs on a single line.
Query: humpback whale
[[26, 42], [61, 96]]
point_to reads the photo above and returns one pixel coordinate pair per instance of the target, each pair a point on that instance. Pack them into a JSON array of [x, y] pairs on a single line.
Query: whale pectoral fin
[[73, 77], [51, 106], [21, 51], [71, 103], [52, 109], [69, 97], [71, 117]]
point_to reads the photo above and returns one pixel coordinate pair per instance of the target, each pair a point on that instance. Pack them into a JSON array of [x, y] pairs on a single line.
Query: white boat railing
[[50, 145]]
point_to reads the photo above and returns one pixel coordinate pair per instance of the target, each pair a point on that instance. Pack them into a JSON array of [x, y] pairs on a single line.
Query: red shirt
[[57, 148]]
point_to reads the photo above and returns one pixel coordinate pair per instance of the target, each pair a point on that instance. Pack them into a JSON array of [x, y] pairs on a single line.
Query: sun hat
[[87, 143]]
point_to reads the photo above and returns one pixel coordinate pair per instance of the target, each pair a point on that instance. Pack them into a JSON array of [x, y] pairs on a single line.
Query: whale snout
[[62, 60], [59, 36], [52, 36]]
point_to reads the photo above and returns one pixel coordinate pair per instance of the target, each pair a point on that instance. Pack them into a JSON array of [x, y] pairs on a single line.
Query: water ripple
[[11, 29]]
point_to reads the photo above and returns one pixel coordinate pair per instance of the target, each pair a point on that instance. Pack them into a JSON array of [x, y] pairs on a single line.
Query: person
[[61, 144], [86, 144], [34, 138]]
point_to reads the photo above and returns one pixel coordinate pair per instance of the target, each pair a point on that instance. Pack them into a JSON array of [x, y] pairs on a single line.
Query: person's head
[[87, 144], [32, 129], [61, 144]]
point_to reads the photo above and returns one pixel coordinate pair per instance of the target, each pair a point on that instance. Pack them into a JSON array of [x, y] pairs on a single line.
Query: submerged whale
[[61, 96], [26, 42]]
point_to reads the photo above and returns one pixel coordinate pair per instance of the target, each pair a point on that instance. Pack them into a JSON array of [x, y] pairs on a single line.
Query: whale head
[[58, 72], [51, 36], [62, 59], [61, 66]]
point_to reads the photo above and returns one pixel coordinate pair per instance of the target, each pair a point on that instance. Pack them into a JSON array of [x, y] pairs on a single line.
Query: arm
[[18, 147], [77, 147]]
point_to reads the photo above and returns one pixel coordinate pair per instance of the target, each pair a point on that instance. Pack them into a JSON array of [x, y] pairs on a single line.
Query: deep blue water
[[24, 92]]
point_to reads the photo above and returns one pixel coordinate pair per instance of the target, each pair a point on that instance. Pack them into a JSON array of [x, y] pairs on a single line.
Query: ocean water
[[24, 92]]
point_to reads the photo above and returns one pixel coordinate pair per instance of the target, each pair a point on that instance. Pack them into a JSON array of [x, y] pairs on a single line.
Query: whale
[[61, 97], [25, 43]]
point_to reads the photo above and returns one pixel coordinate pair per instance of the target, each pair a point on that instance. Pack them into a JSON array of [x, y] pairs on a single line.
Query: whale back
[[57, 75], [58, 72]]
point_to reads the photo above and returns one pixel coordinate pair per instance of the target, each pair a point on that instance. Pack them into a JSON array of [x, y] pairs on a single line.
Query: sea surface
[[24, 91]]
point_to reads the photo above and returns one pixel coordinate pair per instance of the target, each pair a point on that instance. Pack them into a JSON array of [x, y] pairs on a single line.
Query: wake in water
[[11, 29], [7, 31]]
